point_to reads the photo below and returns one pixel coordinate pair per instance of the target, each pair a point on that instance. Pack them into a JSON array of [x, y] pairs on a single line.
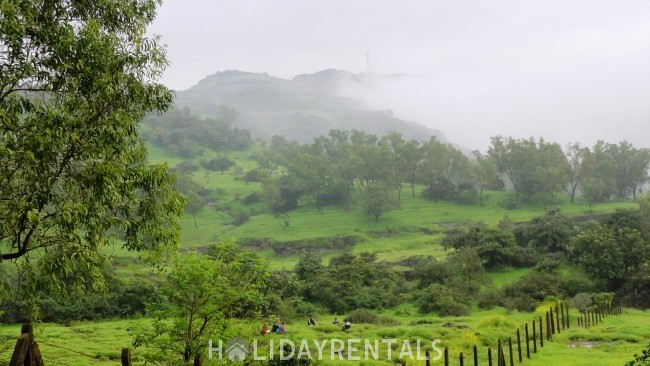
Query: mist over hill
[[302, 108]]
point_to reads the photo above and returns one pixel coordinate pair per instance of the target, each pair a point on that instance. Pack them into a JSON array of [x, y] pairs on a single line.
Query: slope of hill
[[300, 109]]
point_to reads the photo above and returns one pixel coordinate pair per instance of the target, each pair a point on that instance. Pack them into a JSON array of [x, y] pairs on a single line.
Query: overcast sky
[[565, 70]]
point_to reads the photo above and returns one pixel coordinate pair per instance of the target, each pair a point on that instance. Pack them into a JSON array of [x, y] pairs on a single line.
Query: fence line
[[27, 352], [557, 319]]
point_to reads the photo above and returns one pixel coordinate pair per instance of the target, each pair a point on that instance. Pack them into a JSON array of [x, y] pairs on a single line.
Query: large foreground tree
[[76, 77]]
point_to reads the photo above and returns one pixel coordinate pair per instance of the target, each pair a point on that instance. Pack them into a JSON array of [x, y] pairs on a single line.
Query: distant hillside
[[302, 108]]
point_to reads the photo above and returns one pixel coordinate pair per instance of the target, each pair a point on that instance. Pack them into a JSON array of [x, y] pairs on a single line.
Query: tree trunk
[[573, 192]]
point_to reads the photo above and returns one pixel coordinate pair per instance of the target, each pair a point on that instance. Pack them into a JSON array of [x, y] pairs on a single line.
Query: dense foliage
[[350, 282], [187, 135], [327, 171], [76, 78], [202, 295]]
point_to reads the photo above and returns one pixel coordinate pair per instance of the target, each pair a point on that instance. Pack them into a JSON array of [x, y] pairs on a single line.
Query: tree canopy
[[76, 77]]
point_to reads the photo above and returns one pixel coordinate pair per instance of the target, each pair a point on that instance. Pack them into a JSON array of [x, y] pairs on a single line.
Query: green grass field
[[416, 229], [611, 342]]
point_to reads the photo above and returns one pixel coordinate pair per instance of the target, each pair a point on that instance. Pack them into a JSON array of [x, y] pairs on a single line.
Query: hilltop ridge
[[302, 108]]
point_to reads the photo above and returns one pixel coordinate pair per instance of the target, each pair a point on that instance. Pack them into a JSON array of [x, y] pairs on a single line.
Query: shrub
[[444, 300], [364, 316], [531, 289], [255, 175], [240, 218], [582, 301], [295, 307], [510, 203], [497, 321], [489, 298], [548, 264], [450, 307]]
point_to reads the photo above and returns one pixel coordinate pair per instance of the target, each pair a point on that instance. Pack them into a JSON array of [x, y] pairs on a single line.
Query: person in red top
[[264, 330]]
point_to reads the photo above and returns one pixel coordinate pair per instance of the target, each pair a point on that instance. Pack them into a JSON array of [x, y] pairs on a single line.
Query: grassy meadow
[[415, 229], [611, 342]]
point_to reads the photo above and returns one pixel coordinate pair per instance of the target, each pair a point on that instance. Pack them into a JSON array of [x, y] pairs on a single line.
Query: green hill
[[299, 109]]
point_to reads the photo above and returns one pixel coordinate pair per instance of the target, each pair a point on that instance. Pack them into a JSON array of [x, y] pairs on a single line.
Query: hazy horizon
[[564, 71]]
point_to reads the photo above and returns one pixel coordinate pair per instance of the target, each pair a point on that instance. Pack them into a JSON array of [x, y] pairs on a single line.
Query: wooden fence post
[[126, 357], [26, 351], [552, 321], [512, 362], [519, 345], [198, 361], [602, 315], [462, 361], [428, 358], [557, 318], [489, 356], [446, 356], [499, 360], [475, 356], [567, 316], [593, 318], [534, 338], [548, 327], [541, 333], [527, 343], [562, 313]]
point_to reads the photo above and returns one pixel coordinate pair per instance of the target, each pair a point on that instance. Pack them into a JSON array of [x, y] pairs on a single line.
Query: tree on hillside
[[76, 77], [467, 271], [195, 195], [498, 152], [601, 166], [614, 256], [194, 204], [495, 247], [485, 173], [398, 165], [356, 282], [204, 294], [551, 232], [644, 210], [575, 156], [309, 266], [376, 164], [552, 172], [378, 199], [412, 154], [218, 164]]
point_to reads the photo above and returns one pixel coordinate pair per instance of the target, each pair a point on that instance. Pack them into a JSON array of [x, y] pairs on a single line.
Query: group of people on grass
[[345, 326], [276, 328], [279, 328]]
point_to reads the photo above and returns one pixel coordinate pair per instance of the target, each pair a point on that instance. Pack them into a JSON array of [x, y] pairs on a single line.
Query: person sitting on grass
[[311, 321], [275, 328], [336, 321], [281, 328], [264, 330], [346, 326]]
